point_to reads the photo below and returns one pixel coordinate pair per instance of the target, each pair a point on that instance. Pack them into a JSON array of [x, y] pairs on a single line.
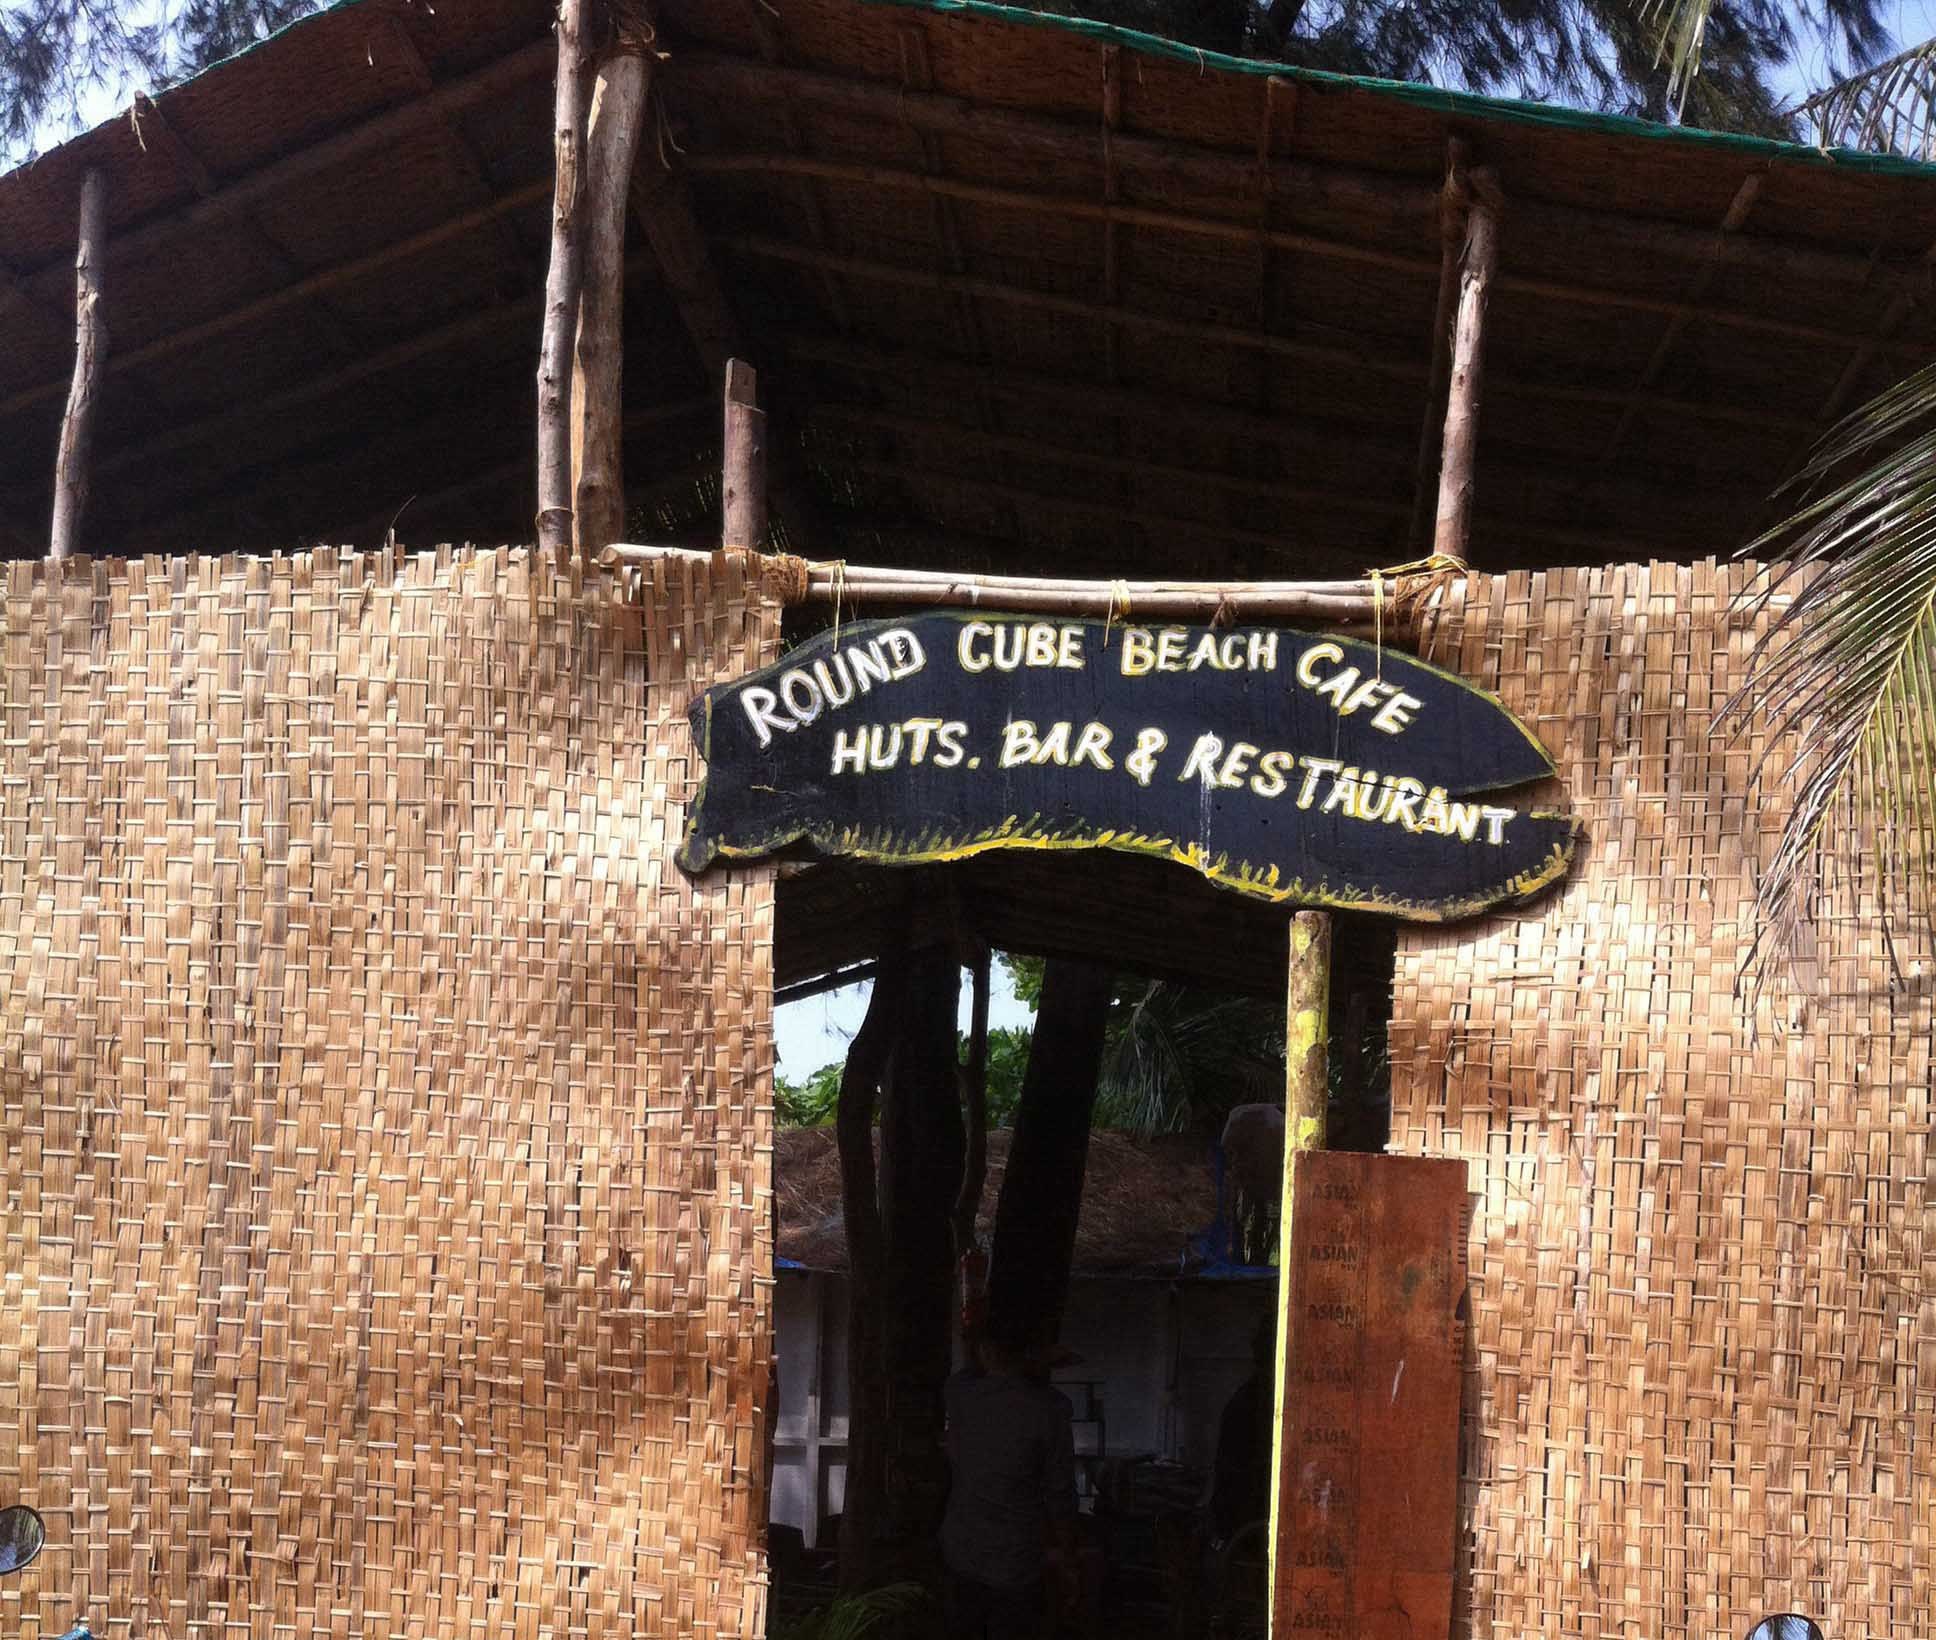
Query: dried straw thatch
[[1702, 1382], [384, 1119], [1143, 1202]]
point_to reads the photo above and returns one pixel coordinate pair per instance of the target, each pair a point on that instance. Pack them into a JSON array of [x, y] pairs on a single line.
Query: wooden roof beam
[[1027, 497], [151, 125], [1110, 466], [274, 301], [1111, 400], [267, 483], [1395, 366], [1691, 308], [1328, 439], [1191, 170], [1248, 234], [160, 234], [663, 209], [477, 173], [1288, 495], [452, 333]]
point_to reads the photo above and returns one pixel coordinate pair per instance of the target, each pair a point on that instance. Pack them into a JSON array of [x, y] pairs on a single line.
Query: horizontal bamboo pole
[[856, 586]]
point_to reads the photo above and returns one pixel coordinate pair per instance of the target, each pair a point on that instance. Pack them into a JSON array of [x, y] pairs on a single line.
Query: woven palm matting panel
[[1702, 1356], [384, 1119]]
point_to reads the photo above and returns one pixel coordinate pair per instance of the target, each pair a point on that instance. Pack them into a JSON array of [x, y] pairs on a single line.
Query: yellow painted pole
[[1306, 1088]]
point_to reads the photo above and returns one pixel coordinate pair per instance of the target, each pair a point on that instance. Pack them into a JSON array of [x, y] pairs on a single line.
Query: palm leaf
[[1844, 678], [1890, 107], [856, 1616], [1679, 27]]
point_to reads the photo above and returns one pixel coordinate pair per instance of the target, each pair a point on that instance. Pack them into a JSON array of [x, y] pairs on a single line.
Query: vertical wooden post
[[742, 492], [1454, 524], [90, 354], [1431, 427], [597, 412], [1306, 1091], [562, 283]]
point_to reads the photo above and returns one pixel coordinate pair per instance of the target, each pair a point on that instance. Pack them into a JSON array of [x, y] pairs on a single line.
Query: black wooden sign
[[1301, 768]]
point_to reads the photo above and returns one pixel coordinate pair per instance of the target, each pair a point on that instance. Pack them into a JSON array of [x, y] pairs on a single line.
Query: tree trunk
[[1035, 1220], [921, 1164], [597, 392], [562, 283], [90, 354], [860, 1083]]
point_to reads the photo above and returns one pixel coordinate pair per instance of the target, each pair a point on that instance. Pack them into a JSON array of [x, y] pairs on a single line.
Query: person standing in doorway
[[1008, 1535]]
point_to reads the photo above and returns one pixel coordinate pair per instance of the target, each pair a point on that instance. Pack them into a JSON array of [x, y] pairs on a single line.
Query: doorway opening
[[1172, 1279]]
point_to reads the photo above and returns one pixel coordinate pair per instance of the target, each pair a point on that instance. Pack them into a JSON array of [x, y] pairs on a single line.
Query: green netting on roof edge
[[1463, 103]]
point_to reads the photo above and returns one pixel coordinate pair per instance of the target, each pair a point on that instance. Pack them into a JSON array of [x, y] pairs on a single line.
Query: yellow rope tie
[[1378, 623], [1433, 566], [839, 567], [1118, 593]]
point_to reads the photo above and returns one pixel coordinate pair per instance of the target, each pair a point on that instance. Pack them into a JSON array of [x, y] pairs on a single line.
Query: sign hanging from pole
[[1291, 766]]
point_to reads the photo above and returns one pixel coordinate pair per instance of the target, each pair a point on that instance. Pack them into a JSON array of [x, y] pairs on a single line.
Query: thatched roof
[[1020, 289], [1143, 1200]]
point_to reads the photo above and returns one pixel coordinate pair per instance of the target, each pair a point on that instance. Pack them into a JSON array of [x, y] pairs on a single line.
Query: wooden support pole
[[1463, 394], [1306, 1091], [617, 114], [90, 349], [562, 284], [1452, 215], [742, 486]]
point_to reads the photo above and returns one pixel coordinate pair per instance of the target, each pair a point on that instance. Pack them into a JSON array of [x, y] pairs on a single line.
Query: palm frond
[[1890, 107], [1845, 677], [1680, 27], [1178, 1055], [857, 1616]]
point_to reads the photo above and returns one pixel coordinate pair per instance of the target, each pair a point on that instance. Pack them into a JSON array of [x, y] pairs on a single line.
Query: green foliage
[[1847, 673], [871, 1616], [1703, 46], [813, 1102], [1177, 1057], [1024, 977], [1620, 56], [56, 53], [1008, 1051]]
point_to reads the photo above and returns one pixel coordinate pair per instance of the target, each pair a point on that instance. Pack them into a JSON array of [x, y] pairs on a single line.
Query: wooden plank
[[1367, 1516]]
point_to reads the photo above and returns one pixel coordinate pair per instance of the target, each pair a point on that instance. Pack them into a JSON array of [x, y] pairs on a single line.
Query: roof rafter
[[1234, 232], [274, 301], [1345, 356], [1189, 170], [158, 234]]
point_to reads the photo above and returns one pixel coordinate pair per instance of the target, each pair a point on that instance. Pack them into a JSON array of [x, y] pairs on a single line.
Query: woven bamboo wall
[[1702, 1376], [384, 1120]]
